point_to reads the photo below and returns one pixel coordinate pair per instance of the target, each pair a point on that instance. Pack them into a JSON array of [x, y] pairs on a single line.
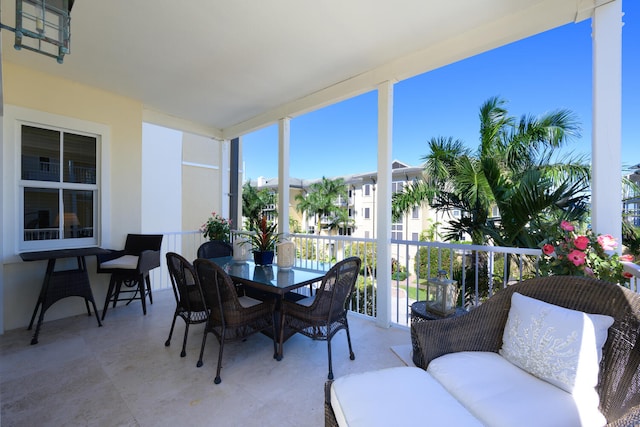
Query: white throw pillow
[[556, 344]]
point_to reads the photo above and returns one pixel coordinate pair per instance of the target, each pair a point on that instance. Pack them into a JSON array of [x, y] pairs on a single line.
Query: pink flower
[[576, 257], [548, 249], [607, 242], [589, 272], [626, 258], [566, 226], [581, 242]]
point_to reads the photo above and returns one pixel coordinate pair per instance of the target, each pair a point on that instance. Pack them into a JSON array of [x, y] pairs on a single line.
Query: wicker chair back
[[214, 249]]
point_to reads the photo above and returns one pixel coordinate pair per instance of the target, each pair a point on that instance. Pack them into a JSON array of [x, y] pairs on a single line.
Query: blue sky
[[536, 75]]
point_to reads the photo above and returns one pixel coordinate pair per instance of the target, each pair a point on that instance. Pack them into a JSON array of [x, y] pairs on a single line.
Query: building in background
[[631, 200], [361, 205]]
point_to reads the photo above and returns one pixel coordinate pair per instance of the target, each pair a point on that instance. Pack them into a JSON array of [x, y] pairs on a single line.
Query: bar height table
[[64, 283]]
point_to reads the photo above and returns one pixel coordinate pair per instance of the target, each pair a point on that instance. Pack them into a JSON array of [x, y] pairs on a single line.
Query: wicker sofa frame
[[482, 329]]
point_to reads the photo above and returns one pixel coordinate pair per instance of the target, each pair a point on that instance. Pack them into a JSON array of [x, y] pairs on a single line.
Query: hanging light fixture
[[43, 26]]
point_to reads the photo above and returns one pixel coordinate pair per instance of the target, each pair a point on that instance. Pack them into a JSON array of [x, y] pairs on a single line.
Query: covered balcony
[[214, 72]]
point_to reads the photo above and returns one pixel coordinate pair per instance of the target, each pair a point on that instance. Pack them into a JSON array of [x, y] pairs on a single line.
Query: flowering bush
[[216, 228], [573, 254]]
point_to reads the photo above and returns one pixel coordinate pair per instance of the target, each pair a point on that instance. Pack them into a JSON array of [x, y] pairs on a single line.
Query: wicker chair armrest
[[631, 418], [329, 415], [479, 330], [148, 260]]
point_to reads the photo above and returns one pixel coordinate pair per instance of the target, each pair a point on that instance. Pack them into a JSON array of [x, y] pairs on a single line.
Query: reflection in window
[[41, 207], [58, 171]]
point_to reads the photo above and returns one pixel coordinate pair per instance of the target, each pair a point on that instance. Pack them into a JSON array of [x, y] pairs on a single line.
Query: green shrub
[[367, 254], [363, 300]]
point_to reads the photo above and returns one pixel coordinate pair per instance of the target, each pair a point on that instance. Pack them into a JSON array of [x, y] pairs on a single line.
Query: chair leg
[[217, 379], [352, 355], [183, 353], [204, 340], [173, 324], [108, 298], [330, 376], [148, 280], [142, 295], [116, 293]]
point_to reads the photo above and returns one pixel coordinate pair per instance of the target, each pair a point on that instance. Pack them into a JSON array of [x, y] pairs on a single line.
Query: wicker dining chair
[[231, 317], [190, 303], [214, 249], [130, 268], [323, 314]]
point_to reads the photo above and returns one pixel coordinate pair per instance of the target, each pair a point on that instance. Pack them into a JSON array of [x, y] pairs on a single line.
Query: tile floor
[[122, 374]]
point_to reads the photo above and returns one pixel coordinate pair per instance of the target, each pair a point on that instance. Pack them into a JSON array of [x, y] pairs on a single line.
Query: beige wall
[[25, 88], [201, 180]]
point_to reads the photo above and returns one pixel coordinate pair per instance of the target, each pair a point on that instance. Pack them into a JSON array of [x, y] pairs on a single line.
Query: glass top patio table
[[268, 278]]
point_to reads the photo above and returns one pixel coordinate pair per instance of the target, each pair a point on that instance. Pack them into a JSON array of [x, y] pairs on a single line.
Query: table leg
[[41, 300], [278, 356]]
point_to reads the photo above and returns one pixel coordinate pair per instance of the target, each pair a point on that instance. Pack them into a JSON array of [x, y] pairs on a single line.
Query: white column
[[606, 185], [383, 205], [284, 134], [241, 178], [225, 181]]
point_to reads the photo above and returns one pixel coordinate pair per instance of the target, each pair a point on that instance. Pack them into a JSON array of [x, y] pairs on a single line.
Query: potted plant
[[263, 241], [216, 228]]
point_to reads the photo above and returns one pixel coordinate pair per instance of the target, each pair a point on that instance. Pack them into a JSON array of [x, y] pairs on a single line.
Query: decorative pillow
[[556, 344]]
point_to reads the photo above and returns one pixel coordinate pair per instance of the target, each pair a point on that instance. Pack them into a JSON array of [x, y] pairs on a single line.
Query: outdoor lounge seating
[[130, 267], [190, 302], [473, 378], [323, 314]]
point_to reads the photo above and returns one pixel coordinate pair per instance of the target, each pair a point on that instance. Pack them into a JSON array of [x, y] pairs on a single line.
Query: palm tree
[[320, 199], [254, 202], [341, 221], [515, 168]]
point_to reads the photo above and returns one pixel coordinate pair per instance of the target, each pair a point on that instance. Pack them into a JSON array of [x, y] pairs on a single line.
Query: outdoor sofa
[[463, 378]]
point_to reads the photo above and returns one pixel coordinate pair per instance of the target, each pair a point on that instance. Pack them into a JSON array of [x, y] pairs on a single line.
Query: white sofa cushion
[[125, 262], [500, 394], [556, 344], [395, 397]]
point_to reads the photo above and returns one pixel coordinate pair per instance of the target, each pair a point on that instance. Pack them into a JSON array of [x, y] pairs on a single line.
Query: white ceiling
[[231, 66]]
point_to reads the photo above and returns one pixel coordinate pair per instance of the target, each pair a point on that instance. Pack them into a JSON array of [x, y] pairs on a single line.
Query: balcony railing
[[479, 270]]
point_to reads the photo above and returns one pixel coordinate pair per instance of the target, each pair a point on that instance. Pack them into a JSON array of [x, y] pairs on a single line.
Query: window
[[55, 179], [396, 231], [367, 189], [415, 237], [397, 187], [415, 212], [366, 213], [58, 183]]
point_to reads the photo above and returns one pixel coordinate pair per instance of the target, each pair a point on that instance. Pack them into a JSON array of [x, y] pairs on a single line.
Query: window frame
[[415, 212], [15, 118]]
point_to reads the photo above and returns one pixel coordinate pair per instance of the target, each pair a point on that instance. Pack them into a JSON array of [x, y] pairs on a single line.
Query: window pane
[[40, 214], [78, 213], [40, 154], [79, 159]]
